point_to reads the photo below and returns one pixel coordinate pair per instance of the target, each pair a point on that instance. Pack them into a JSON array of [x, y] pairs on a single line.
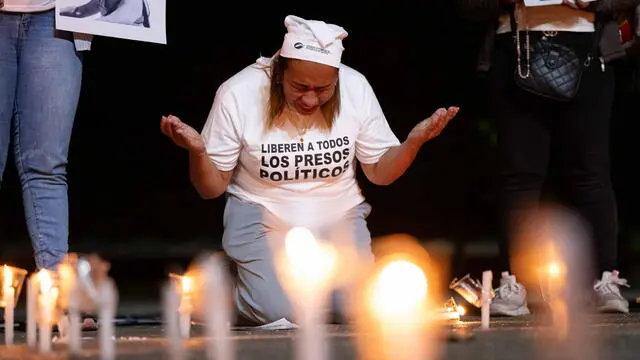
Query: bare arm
[[209, 182], [397, 159], [392, 164]]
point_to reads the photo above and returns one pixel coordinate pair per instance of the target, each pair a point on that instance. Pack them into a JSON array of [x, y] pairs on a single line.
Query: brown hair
[[329, 110]]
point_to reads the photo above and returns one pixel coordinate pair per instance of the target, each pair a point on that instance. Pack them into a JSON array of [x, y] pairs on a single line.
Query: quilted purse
[[552, 70]]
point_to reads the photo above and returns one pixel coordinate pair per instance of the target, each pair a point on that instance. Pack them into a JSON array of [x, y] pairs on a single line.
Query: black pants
[[527, 125]]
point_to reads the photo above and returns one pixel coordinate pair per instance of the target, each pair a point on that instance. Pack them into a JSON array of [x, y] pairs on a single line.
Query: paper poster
[[549, 2], [541, 2], [141, 20]]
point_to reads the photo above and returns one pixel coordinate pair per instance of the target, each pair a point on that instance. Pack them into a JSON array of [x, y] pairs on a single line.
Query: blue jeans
[[40, 77]]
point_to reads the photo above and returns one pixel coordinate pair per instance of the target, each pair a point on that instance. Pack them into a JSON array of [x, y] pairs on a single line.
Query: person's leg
[[250, 236], [584, 141], [351, 232], [9, 24], [49, 80], [583, 134], [523, 133]]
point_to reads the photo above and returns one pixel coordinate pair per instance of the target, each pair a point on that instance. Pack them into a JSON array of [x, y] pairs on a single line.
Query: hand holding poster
[[142, 20]]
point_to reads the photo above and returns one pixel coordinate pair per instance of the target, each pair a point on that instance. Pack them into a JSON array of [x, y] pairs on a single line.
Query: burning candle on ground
[[11, 281], [8, 299], [46, 309], [216, 291], [32, 307], [398, 306], [307, 268], [178, 307], [186, 305], [69, 326], [171, 302]]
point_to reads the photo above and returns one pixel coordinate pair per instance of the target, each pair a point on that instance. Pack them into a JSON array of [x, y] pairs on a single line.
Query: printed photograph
[[142, 20]]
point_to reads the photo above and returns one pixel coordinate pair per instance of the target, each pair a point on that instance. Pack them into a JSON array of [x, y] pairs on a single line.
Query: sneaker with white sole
[[608, 296], [511, 297]]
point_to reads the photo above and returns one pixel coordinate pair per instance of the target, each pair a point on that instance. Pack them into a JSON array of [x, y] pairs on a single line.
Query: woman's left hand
[[432, 126], [575, 4]]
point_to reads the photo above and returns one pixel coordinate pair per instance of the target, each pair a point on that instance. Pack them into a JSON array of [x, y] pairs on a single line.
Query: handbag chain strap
[[516, 33]]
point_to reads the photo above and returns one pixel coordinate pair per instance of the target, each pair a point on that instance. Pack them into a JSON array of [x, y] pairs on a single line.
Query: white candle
[[32, 291], [308, 268], [9, 304], [487, 283], [71, 323], [75, 331], [311, 343], [46, 306], [217, 310], [107, 312], [398, 307], [186, 306], [170, 299]]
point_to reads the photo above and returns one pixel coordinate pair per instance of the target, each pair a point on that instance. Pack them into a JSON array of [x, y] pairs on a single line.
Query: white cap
[[313, 40]]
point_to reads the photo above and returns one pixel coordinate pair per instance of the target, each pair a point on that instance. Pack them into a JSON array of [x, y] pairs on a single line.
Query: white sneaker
[[608, 295], [511, 297]]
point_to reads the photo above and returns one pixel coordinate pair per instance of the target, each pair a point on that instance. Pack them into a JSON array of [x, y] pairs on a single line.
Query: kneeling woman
[[281, 141]]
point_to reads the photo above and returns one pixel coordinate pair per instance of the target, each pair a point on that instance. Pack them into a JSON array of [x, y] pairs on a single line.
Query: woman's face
[[308, 85]]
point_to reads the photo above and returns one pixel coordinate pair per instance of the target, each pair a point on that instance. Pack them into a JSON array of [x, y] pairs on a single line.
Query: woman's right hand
[[182, 134]]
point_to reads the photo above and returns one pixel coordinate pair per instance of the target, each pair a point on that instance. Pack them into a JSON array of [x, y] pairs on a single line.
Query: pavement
[[614, 337]]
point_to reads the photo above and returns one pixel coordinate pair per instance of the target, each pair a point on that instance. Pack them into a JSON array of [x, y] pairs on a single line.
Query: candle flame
[[400, 289], [307, 257], [554, 269], [187, 284], [46, 283], [7, 277]]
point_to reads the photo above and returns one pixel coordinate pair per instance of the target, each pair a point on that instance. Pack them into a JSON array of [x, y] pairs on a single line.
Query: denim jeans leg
[[49, 81], [8, 78]]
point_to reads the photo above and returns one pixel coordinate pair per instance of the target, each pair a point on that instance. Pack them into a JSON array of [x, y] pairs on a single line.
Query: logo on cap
[[298, 45]]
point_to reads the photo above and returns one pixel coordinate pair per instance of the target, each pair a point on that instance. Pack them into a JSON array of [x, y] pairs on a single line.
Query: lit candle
[[9, 304], [170, 299], [32, 306], [71, 324], [485, 311], [398, 302], [47, 299], [308, 268], [186, 306], [217, 312]]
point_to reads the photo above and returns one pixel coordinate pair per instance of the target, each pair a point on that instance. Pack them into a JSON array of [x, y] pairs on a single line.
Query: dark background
[[130, 195]]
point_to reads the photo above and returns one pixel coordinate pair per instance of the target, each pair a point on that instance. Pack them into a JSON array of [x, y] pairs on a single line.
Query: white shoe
[[511, 297], [608, 295]]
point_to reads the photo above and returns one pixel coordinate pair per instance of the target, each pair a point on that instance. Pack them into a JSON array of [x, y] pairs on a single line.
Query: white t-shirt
[[304, 183], [28, 5], [549, 18]]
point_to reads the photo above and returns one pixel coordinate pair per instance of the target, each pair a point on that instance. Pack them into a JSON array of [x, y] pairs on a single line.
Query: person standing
[[531, 113], [40, 79]]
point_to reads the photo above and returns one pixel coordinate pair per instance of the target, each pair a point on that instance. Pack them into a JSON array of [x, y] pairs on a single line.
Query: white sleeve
[[220, 132], [375, 136]]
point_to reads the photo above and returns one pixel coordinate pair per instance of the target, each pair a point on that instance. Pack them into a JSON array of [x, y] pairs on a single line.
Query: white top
[[549, 18], [304, 183], [28, 5]]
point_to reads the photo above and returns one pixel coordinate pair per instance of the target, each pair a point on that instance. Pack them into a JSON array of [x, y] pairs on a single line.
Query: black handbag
[[553, 70]]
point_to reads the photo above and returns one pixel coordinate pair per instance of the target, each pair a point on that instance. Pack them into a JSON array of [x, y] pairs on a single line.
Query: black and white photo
[[142, 20]]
